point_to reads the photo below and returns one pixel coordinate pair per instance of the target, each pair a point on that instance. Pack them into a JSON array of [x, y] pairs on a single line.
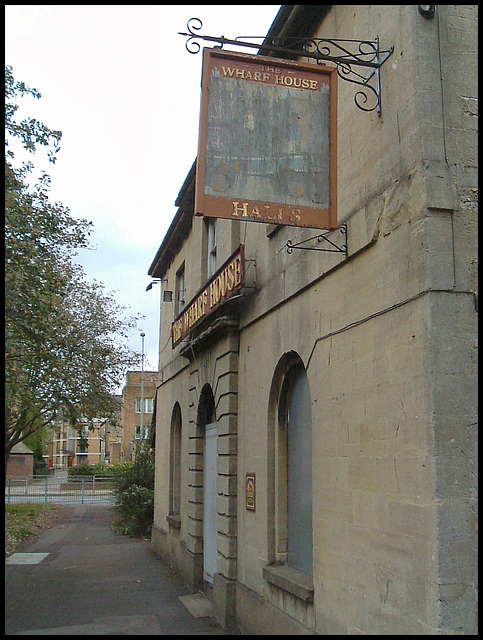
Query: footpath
[[79, 578]]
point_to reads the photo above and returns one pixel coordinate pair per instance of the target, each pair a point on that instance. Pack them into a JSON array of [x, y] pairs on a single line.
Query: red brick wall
[[20, 464]]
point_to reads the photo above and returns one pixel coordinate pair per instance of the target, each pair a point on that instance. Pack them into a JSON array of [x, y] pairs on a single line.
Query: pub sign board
[[267, 141], [229, 278]]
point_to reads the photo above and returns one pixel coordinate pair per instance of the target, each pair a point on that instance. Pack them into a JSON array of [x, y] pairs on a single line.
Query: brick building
[[95, 442], [135, 421], [20, 462]]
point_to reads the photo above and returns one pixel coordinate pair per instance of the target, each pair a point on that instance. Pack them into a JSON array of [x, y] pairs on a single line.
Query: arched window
[[175, 462], [298, 421], [290, 472]]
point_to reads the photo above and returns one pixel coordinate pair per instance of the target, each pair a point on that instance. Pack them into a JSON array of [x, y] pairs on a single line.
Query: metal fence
[[55, 490]]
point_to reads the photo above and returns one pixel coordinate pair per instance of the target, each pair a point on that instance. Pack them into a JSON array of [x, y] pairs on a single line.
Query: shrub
[[116, 469], [135, 495], [100, 470], [40, 469], [80, 470]]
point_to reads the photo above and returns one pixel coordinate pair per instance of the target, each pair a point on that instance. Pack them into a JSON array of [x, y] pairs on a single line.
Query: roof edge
[[167, 250]]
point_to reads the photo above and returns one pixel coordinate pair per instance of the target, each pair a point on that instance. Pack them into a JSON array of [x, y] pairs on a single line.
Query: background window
[[211, 223], [148, 405], [145, 433], [175, 462], [180, 291]]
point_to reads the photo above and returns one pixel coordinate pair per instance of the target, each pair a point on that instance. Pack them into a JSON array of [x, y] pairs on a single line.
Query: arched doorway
[[207, 421]]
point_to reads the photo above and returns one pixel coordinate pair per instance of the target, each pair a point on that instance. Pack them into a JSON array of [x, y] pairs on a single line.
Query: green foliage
[[81, 470], [116, 470], [41, 470], [135, 495], [37, 442], [136, 505], [30, 132], [100, 470], [63, 335]]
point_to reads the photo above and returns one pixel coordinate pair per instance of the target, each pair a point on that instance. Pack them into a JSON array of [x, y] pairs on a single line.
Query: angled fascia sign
[[224, 284], [267, 144]]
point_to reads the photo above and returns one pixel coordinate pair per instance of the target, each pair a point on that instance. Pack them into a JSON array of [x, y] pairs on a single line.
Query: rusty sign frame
[[295, 190]]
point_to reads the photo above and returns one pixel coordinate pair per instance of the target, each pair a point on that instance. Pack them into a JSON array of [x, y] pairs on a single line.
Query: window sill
[[291, 580], [174, 521]]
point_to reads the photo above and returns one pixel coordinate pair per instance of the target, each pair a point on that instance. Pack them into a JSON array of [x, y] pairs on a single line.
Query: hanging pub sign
[[267, 147], [229, 278]]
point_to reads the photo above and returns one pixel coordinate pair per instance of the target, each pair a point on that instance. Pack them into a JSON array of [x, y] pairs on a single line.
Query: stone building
[[315, 434]]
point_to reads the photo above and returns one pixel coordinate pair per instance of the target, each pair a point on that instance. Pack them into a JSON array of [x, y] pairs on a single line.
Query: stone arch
[[206, 408]]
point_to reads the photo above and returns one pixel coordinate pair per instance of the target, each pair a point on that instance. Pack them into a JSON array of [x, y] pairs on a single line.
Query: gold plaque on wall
[[250, 491]]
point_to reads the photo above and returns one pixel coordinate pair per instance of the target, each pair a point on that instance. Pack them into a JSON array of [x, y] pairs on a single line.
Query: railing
[[75, 489]]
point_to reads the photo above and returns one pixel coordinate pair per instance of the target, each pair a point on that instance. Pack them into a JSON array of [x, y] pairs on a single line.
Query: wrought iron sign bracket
[[357, 61], [333, 247]]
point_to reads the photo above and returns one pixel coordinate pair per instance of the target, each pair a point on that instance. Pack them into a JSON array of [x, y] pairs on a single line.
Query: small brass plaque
[[250, 491]]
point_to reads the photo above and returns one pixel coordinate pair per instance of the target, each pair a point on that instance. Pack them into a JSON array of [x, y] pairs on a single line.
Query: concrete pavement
[[79, 578]]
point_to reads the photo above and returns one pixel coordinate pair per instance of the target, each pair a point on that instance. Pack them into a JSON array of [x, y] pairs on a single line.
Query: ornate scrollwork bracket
[[357, 61]]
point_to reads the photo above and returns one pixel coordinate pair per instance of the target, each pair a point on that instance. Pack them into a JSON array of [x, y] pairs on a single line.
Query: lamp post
[[142, 384], [165, 296]]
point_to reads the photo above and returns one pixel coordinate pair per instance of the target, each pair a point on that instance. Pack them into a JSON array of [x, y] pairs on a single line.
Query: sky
[[118, 82]]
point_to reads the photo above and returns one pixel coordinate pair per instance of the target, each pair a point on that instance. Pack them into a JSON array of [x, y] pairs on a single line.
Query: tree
[[63, 336]]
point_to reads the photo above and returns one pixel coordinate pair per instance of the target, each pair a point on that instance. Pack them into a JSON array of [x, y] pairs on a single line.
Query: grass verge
[[26, 521]]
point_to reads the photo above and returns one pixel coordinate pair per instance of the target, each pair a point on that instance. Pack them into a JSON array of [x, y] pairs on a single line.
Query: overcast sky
[[121, 86]]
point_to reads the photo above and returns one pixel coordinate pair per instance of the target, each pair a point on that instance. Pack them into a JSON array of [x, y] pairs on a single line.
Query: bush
[[40, 469], [80, 470], [135, 495], [100, 470], [117, 470]]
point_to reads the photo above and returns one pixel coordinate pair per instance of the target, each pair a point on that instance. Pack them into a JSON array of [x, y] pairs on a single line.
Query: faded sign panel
[[252, 119], [266, 153]]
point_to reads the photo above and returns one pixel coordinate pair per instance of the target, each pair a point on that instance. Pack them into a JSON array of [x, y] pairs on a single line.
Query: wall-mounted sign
[[220, 288], [267, 144], [250, 491]]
